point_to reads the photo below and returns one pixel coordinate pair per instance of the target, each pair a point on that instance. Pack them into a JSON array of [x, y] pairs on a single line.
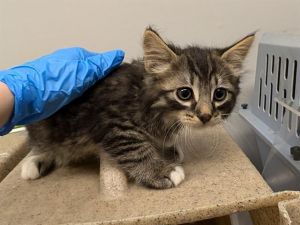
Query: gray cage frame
[[274, 110]]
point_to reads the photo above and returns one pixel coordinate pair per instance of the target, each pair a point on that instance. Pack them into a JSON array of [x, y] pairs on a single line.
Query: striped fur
[[135, 114]]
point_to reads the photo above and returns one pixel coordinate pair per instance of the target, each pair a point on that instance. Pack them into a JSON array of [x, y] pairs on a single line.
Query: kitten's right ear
[[157, 55]]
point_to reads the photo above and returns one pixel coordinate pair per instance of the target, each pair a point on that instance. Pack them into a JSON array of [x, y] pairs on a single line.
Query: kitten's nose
[[205, 118]]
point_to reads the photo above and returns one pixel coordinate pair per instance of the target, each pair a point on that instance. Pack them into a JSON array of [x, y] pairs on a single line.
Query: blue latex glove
[[43, 86]]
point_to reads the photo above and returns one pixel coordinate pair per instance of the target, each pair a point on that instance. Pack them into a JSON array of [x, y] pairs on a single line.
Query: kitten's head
[[192, 85]]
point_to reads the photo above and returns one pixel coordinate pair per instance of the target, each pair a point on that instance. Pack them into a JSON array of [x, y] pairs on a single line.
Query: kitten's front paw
[[170, 177], [177, 175], [30, 170]]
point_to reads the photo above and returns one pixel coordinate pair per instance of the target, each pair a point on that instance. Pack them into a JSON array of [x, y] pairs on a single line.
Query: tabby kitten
[[135, 113]]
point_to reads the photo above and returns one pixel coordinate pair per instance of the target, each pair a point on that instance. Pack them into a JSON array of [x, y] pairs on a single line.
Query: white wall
[[31, 28]]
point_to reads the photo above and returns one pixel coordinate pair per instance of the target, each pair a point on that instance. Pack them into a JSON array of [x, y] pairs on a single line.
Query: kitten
[[135, 113]]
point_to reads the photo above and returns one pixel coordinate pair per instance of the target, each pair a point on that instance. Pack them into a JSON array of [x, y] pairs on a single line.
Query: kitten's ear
[[157, 55], [235, 54]]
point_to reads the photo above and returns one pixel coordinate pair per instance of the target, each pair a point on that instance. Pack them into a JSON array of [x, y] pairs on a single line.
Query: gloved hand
[[43, 86]]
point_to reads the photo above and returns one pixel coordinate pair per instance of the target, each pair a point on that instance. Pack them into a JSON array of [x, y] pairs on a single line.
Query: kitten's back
[[114, 96]]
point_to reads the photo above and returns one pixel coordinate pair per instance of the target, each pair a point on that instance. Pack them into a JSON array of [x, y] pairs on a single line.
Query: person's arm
[[6, 104]]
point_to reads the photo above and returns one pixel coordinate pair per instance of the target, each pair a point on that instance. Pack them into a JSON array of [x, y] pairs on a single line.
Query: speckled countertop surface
[[218, 181]]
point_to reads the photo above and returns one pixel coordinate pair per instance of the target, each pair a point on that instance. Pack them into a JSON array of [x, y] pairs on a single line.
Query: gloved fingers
[[107, 61], [75, 53], [110, 58]]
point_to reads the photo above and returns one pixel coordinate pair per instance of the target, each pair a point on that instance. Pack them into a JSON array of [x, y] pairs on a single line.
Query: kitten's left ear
[[235, 54]]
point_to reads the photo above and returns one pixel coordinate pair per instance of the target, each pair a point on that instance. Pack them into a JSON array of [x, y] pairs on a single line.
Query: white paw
[[177, 175], [30, 170]]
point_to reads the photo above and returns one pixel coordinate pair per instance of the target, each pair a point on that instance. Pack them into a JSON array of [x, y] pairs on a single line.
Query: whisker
[[216, 139], [188, 147], [181, 127], [173, 126], [193, 146]]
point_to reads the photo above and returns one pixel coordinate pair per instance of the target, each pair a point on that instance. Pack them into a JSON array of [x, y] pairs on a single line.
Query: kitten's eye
[[220, 94], [184, 93]]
